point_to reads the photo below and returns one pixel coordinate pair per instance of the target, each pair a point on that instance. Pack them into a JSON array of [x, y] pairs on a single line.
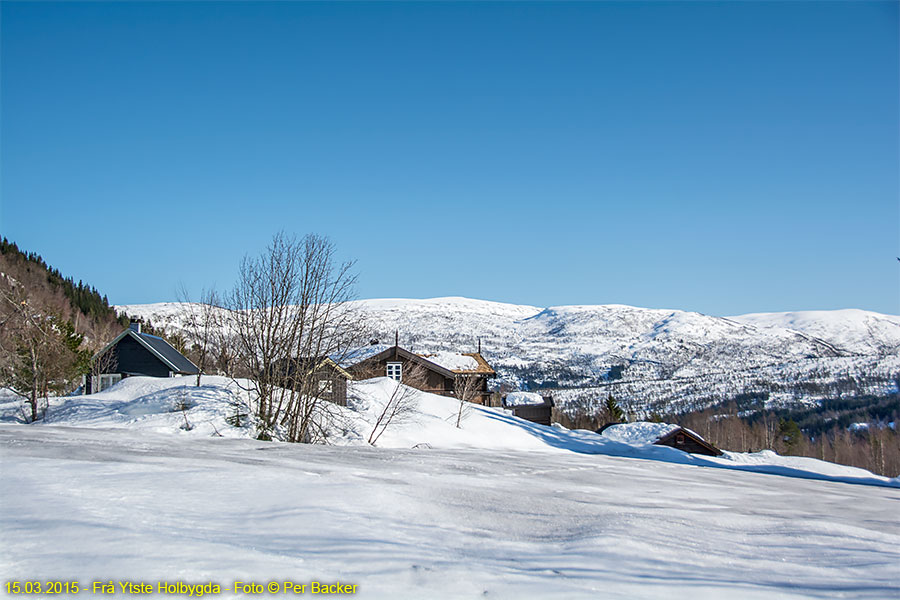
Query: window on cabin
[[107, 380], [395, 371], [325, 387], [679, 439]]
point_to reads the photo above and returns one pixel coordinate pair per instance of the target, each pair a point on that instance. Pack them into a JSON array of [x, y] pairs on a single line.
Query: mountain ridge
[[651, 358]]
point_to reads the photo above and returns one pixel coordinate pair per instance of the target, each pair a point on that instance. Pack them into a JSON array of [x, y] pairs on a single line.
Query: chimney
[[397, 337], [479, 345], [135, 326]]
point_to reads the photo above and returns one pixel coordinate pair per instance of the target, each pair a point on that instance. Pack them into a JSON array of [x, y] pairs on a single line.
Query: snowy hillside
[[853, 331], [112, 486], [644, 356]]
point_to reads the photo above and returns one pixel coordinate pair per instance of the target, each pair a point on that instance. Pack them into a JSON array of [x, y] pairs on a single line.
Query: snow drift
[[113, 486], [146, 404]]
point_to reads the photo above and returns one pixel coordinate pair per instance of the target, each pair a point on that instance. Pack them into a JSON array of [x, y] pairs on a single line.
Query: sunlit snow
[[113, 487]]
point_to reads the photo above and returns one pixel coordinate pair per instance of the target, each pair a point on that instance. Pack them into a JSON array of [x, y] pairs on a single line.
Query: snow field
[[112, 487], [98, 504]]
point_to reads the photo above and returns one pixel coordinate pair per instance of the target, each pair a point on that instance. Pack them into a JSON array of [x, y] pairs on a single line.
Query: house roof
[[288, 365], [169, 354], [483, 366], [652, 433], [461, 363], [160, 348], [662, 441], [358, 355], [331, 363], [514, 399]]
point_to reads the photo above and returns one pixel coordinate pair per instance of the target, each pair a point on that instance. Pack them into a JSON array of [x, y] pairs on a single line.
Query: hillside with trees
[[50, 326]]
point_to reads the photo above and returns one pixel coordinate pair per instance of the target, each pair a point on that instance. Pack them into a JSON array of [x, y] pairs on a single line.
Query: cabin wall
[[425, 379], [128, 357], [540, 414], [338, 393], [686, 443]]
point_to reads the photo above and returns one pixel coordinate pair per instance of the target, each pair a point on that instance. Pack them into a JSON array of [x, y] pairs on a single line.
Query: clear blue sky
[[724, 158]]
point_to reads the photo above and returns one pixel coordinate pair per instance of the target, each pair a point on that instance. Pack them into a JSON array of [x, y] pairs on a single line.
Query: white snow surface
[[640, 433], [150, 404], [111, 487], [523, 399]]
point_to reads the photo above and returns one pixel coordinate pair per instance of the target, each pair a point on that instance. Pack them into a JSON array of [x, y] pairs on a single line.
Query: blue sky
[[724, 158]]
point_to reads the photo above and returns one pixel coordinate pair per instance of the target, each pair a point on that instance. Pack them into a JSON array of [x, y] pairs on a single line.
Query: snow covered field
[[112, 488]]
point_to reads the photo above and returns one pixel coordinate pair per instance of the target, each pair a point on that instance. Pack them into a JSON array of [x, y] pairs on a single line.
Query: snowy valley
[[650, 359]]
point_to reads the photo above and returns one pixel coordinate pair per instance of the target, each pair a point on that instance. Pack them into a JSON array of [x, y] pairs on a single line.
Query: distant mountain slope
[[649, 357], [854, 331]]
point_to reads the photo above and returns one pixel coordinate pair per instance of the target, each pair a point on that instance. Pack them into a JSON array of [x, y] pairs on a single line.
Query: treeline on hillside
[[859, 432], [868, 440], [86, 299], [49, 326]]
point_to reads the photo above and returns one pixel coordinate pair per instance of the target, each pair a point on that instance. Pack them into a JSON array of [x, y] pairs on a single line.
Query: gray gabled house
[[135, 353]]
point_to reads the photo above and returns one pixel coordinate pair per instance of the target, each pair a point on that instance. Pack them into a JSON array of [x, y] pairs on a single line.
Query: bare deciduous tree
[[203, 319], [290, 308], [401, 404], [39, 349], [465, 389]]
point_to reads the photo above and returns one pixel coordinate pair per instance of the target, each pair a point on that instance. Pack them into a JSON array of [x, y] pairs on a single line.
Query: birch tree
[[289, 309]]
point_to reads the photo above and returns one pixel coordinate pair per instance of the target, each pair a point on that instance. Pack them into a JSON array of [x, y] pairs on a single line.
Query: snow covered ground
[[112, 487]]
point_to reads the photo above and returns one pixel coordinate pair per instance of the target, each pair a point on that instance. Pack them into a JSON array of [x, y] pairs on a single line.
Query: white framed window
[[395, 371], [106, 381], [325, 387]]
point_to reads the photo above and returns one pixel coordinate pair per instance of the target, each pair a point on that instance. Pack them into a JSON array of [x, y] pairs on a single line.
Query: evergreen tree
[[614, 413], [789, 434]]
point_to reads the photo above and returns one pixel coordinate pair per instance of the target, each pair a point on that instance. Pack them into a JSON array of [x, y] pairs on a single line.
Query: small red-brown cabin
[[461, 375], [687, 441], [660, 434]]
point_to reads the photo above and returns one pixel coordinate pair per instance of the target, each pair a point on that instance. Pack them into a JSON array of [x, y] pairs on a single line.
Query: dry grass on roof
[[483, 367]]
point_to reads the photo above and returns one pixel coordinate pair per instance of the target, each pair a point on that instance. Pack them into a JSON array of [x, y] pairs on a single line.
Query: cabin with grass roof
[[453, 374]]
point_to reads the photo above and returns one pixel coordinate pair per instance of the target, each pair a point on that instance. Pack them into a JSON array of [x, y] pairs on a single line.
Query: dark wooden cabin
[[416, 370], [135, 353], [536, 413], [331, 378], [687, 441]]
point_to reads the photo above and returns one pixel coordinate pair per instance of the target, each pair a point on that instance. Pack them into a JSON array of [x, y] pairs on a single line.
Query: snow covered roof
[[452, 361], [523, 399], [360, 354], [460, 362], [638, 434], [663, 434]]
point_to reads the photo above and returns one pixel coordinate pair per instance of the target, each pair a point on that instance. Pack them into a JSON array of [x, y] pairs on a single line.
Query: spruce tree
[[614, 413]]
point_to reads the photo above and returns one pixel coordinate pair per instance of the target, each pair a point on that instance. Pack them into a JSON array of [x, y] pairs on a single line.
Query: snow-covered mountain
[[650, 358]]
